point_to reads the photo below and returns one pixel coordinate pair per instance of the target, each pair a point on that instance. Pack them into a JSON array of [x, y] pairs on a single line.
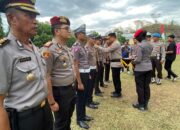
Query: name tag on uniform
[[25, 59]]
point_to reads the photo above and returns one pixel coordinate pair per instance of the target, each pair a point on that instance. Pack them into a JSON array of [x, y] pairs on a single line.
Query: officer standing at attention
[[61, 76], [82, 70], [91, 51], [157, 58], [107, 61], [23, 83], [142, 69], [98, 79], [115, 54]]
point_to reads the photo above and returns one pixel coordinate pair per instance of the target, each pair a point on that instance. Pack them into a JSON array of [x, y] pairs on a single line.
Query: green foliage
[[121, 39], [1, 29], [71, 41], [43, 34]]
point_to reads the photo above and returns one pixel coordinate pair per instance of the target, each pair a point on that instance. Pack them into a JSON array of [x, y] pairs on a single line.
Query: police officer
[[142, 70], [148, 36], [170, 57], [157, 58], [60, 73], [93, 70], [101, 59], [82, 70], [99, 63], [23, 83], [115, 51], [107, 61]]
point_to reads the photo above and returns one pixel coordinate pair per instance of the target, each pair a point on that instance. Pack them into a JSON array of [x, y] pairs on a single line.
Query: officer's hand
[[162, 62], [96, 46], [80, 87], [55, 107]]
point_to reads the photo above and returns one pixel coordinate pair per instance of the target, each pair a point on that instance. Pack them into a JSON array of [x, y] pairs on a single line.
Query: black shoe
[[168, 78], [99, 94], [104, 85], [113, 92], [83, 124], [116, 95], [139, 107], [90, 105], [88, 118], [95, 103]]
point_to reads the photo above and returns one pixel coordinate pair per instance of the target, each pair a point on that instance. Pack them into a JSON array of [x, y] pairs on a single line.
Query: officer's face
[[111, 39], [64, 31], [82, 36], [155, 39], [25, 23], [170, 39], [91, 41]]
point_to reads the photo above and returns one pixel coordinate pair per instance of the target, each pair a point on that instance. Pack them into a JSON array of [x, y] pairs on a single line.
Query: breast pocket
[[26, 71]]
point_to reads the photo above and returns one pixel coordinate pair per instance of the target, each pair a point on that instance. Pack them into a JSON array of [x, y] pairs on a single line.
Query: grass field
[[118, 114]]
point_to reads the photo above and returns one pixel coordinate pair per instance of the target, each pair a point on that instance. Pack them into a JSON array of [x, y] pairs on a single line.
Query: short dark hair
[[112, 35], [54, 27], [172, 36]]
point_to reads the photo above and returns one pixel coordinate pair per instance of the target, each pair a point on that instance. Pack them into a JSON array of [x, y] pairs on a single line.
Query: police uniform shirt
[[91, 55], [158, 48], [133, 51], [59, 64], [142, 56], [115, 53], [106, 55], [80, 54], [23, 75]]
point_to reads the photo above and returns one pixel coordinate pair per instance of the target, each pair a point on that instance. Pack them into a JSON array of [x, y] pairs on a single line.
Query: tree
[[71, 41], [1, 28], [43, 34]]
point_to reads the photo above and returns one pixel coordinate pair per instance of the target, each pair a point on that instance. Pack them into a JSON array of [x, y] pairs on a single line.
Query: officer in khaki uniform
[[92, 60], [82, 70], [23, 83], [107, 61], [60, 73], [157, 58], [115, 54]]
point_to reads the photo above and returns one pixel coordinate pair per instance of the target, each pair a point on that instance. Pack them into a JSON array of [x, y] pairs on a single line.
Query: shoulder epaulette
[[48, 44], [4, 42]]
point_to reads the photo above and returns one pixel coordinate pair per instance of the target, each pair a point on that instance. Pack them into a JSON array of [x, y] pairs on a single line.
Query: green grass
[[118, 114]]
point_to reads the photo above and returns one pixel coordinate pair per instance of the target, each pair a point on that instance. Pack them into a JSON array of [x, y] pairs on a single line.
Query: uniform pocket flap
[[26, 66]]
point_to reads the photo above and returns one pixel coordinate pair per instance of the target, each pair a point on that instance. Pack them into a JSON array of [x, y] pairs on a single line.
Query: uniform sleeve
[[110, 48], [75, 52], [138, 57], [4, 67], [49, 60], [163, 52]]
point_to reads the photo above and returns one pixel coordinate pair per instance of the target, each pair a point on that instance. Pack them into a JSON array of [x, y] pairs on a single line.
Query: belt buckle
[[43, 103]]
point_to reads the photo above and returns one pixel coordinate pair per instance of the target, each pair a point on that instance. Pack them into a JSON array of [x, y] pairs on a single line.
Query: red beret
[[59, 20], [138, 32]]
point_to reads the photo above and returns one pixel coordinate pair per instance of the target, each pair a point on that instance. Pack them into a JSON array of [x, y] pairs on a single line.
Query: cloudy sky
[[104, 15]]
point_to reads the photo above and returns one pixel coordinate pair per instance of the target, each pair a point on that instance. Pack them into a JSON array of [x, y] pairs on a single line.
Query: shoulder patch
[[4, 42], [48, 44]]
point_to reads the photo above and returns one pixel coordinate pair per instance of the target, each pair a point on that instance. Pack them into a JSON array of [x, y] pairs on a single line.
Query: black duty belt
[[31, 110], [116, 60], [64, 87]]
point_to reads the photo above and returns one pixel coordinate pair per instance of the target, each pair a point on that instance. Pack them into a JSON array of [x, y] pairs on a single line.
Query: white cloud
[[139, 10]]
